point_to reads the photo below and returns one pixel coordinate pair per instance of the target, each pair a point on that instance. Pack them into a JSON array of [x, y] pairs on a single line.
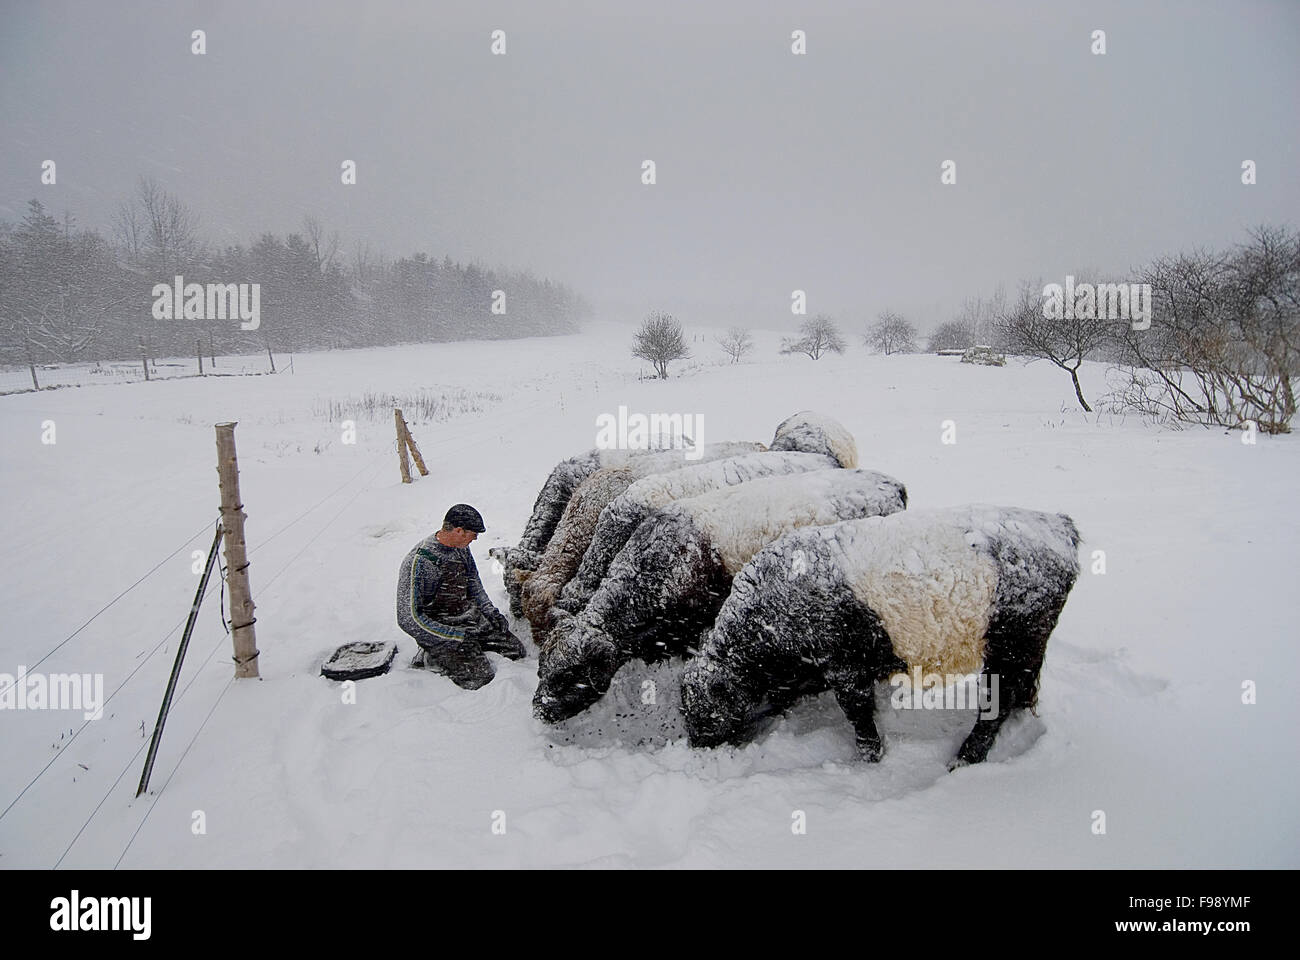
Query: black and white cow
[[667, 584], [844, 606]]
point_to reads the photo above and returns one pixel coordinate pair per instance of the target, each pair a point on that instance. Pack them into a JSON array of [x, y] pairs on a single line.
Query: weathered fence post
[[144, 360], [404, 442], [232, 525], [402, 462], [415, 451]]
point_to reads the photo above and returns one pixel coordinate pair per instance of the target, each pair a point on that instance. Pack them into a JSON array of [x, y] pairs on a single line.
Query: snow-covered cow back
[[541, 585], [813, 432], [928, 582], [741, 520], [626, 512]]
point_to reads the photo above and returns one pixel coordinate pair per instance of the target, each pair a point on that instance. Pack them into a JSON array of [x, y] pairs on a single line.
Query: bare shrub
[[952, 335], [891, 333], [817, 335], [660, 341], [1222, 345], [736, 343]]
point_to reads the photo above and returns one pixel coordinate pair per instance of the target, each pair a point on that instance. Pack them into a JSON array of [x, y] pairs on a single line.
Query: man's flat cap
[[466, 517]]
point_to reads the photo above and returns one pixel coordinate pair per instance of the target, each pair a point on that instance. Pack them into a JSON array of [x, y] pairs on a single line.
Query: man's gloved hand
[[504, 641]]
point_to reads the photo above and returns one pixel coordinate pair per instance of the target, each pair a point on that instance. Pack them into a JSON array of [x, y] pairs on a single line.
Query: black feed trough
[[358, 660]]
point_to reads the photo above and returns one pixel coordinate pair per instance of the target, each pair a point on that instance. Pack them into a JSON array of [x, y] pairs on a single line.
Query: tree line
[[71, 295]]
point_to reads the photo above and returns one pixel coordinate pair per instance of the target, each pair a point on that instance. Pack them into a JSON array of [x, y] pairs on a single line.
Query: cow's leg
[[863, 656], [855, 693], [1013, 659]]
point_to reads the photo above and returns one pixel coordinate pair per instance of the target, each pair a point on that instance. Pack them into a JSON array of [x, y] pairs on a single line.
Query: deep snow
[[1140, 713]]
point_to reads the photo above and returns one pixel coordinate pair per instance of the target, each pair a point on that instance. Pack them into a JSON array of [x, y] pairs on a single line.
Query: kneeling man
[[442, 604]]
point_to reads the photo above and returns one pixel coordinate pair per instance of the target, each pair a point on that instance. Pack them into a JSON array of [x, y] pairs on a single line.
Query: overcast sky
[[775, 171]]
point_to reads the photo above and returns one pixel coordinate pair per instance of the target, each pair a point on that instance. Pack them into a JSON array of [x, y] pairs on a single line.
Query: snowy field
[[1140, 716]]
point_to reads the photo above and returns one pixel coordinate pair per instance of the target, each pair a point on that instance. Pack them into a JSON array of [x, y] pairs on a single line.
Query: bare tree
[[736, 343], [660, 341], [817, 335], [952, 335], [128, 223], [1264, 296], [170, 228], [981, 317], [367, 266], [1224, 340], [1025, 329], [891, 333], [324, 248]]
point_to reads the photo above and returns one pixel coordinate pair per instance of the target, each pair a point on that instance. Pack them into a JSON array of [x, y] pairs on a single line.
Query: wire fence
[[371, 469], [52, 376]]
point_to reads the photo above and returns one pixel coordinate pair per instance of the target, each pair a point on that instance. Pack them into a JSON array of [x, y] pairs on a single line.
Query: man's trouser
[[463, 660]]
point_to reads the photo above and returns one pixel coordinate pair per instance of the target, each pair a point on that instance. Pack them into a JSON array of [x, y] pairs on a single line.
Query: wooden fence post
[[402, 462], [415, 451], [404, 442], [232, 523]]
